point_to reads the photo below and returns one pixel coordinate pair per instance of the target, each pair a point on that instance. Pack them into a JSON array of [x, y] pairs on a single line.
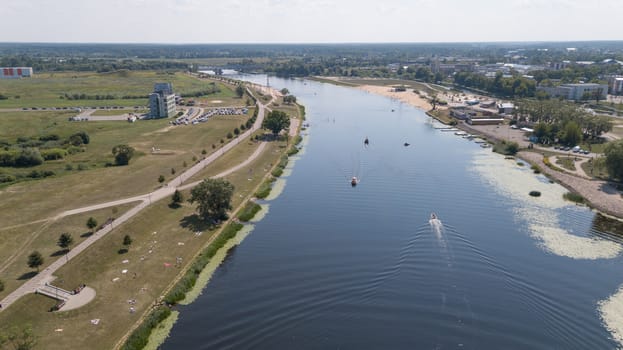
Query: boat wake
[[437, 227]]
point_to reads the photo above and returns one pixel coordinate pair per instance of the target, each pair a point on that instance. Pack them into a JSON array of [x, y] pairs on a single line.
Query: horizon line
[[316, 43]]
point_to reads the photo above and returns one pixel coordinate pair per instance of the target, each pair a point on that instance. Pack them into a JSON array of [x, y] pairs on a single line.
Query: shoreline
[[599, 194]]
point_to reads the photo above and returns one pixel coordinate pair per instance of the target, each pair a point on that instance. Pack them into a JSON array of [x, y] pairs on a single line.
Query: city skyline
[[299, 21]]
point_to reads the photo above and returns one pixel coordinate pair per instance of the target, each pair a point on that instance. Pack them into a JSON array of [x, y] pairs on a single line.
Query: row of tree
[[559, 121], [515, 86]]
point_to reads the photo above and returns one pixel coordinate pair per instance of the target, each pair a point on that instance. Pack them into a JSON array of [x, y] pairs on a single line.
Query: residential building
[[162, 101], [577, 92], [615, 85], [15, 72]]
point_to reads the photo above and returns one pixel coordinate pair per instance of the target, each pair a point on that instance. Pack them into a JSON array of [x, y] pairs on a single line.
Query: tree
[[18, 338], [239, 91], [123, 154], [91, 223], [65, 240], [289, 99], [127, 241], [1, 285], [161, 178], [213, 197], [284, 91], [434, 100], [276, 121], [572, 134], [176, 199], [35, 260], [614, 159]]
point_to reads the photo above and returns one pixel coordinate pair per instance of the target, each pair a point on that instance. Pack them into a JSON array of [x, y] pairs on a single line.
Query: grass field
[[44, 90], [17, 242], [160, 235], [107, 112]]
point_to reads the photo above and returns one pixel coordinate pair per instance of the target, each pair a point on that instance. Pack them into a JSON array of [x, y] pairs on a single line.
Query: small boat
[[366, 142], [354, 181], [433, 216], [406, 144]]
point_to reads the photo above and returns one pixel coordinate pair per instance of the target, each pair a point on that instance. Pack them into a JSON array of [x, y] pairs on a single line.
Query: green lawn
[[44, 90], [26, 207], [107, 112], [17, 242], [160, 235]]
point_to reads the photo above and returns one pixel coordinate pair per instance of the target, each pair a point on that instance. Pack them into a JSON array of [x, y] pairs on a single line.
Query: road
[[31, 285]]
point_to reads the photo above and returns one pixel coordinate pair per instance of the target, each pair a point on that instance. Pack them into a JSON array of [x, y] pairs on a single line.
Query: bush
[[6, 178], [249, 211], [53, 154], [535, 193], [138, 339], [264, 190], [536, 169], [29, 157], [574, 197], [178, 292], [277, 172], [50, 137]]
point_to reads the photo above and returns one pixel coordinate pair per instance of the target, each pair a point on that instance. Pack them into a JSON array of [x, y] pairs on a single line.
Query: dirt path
[[602, 196]]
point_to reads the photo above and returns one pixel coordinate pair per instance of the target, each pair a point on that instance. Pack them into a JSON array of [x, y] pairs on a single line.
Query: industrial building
[[162, 101], [15, 72]]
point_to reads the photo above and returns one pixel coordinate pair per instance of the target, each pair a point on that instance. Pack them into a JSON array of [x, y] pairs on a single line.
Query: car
[[556, 147], [513, 126]]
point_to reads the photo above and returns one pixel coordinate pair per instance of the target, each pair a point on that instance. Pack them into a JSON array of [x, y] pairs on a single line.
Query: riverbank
[[599, 194], [407, 96]]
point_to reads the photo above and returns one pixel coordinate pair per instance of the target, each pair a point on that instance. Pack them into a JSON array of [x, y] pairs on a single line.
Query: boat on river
[[354, 181], [433, 216]]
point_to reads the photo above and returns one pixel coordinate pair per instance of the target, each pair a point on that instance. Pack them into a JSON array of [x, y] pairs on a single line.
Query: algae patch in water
[[161, 332], [215, 262]]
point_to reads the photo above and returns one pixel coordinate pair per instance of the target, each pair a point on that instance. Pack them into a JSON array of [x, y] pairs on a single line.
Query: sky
[[308, 21]]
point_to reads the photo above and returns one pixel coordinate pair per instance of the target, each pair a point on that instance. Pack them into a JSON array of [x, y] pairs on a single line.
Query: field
[[45, 90], [161, 235]]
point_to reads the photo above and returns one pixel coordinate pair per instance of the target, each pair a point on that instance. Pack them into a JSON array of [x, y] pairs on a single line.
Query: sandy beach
[[407, 96]]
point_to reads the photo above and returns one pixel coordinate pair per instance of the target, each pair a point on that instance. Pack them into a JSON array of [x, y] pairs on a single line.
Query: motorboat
[[406, 144], [433, 216], [354, 181]]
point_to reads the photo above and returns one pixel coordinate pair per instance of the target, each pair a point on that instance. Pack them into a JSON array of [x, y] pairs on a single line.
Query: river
[[333, 266]]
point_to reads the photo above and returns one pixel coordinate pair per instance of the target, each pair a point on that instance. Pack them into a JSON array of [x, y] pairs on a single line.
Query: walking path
[[601, 195], [45, 276]]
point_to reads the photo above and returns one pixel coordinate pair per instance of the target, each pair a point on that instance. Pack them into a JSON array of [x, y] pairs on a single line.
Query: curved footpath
[[600, 194], [44, 276]]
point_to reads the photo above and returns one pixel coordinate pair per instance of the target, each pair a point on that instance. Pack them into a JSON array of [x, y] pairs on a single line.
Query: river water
[[333, 266]]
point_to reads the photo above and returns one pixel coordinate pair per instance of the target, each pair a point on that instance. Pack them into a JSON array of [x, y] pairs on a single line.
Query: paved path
[[578, 166], [145, 200], [600, 194]]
